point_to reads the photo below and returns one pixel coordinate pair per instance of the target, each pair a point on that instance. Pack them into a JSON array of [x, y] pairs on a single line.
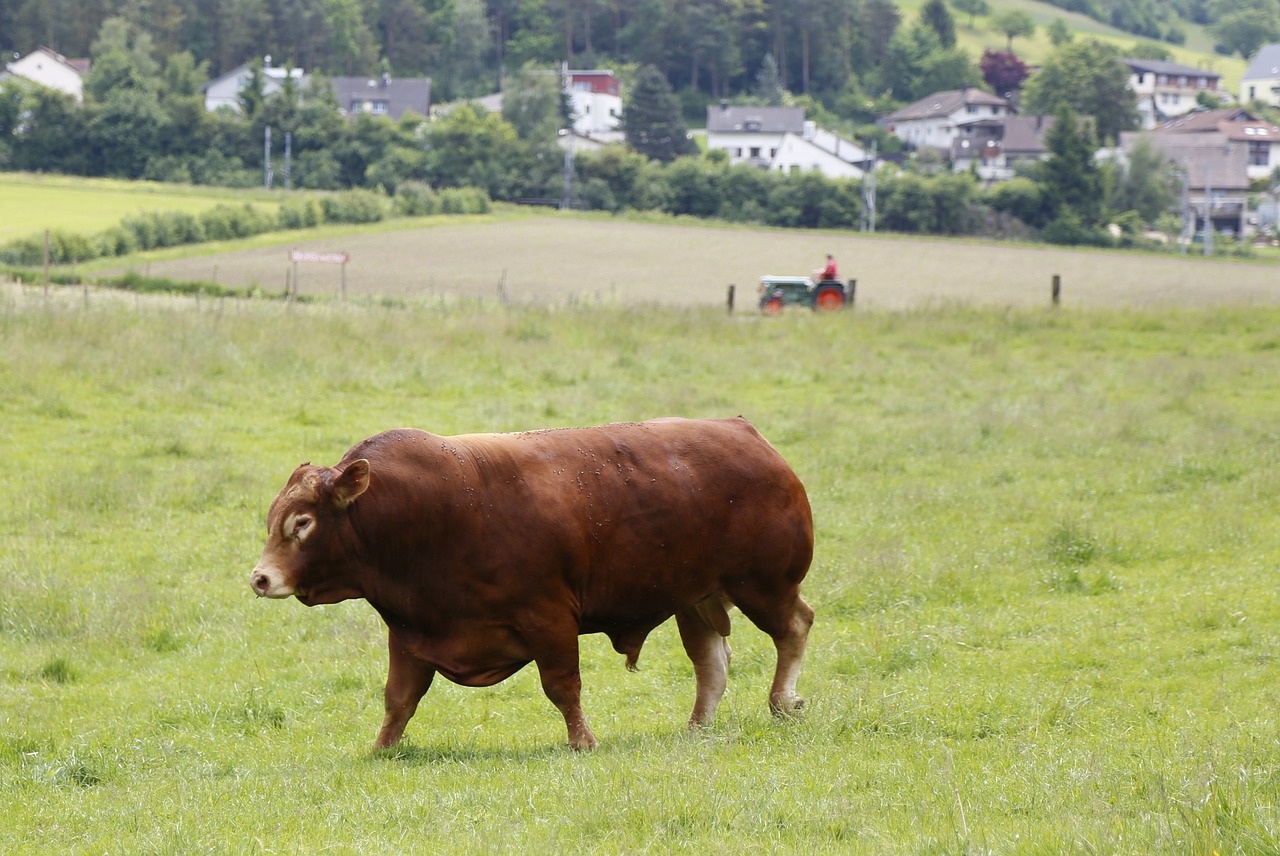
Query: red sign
[[323, 258]]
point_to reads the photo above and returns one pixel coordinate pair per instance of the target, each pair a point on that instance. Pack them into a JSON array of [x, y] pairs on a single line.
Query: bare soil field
[[555, 259]]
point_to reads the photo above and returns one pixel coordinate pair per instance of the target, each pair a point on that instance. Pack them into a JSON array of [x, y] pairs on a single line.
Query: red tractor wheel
[[828, 299], [773, 306]]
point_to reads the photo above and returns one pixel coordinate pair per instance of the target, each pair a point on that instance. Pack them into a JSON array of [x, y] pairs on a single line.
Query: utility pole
[[288, 160], [266, 159], [869, 194]]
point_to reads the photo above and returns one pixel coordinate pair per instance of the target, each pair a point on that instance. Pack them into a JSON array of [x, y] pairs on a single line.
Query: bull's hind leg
[[790, 644], [787, 619], [709, 651]]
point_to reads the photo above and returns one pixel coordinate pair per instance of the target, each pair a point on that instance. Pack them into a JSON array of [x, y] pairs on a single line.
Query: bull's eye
[[302, 526]]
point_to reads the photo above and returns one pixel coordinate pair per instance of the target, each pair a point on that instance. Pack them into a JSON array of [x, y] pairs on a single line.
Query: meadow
[[33, 202], [1047, 618]]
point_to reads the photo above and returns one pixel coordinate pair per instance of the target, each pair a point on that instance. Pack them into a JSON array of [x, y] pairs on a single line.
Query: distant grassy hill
[[1198, 50]]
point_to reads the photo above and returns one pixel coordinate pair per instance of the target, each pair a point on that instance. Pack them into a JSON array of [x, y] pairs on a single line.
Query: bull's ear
[[353, 482]]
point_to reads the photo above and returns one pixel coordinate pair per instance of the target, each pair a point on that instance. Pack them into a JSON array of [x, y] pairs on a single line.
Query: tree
[[1059, 33], [918, 65], [651, 118], [938, 18], [1071, 178], [532, 104], [1013, 24], [768, 87], [972, 8], [1002, 71], [1089, 76], [1244, 30], [1143, 185]]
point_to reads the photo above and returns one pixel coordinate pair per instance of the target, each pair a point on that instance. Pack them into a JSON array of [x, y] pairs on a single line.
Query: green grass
[[35, 202], [1044, 580]]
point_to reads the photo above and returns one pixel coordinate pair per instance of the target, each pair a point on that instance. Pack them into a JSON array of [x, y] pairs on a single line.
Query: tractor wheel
[[773, 306], [828, 299]]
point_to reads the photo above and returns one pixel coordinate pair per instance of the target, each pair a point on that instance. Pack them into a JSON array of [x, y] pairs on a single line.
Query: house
[[1165, 90], [937, 120], [1216, 152], [595, 95], [1261, 81], [224, 91], [1235, 128], [751, 134], [993, 148], [383, 96], [53, 70], [816, 148]]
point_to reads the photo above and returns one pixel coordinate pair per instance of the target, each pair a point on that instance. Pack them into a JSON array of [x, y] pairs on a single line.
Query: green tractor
[[825, 295]]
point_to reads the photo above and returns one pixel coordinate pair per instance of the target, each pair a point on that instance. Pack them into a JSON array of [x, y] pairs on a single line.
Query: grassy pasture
[[544, 258], [33, 202], [1045, 584]]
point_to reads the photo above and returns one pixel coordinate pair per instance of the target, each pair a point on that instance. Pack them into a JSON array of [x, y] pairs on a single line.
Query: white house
[[937, 120], [224, 91], [52, 69], [825, 151], [383, 96], [1261, 81], [1166, 90], [752, 134], [596, 98]]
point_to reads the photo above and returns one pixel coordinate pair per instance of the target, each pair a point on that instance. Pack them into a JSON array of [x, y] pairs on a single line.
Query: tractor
[[826, 295]]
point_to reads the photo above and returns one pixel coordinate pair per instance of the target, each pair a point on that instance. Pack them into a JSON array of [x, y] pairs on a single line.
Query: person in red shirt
[[829, 272]]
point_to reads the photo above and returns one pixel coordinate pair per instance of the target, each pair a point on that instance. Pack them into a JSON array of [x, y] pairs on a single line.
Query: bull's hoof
[[787, 708]]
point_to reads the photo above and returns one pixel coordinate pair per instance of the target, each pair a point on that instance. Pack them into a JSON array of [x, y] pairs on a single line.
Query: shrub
[[299, 214], [116, 241], [23, 252], [416, 199], [224, 222], [71, 247], [354, 206], [464, 200]]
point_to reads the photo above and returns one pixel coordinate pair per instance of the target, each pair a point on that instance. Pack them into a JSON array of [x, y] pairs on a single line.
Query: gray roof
[[1207, 157], [1159, 66], [401, 94], [763, 120], [945, 103], [1266, 64]]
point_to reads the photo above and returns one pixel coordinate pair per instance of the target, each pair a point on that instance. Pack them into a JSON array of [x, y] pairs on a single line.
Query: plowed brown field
[[554, 259]]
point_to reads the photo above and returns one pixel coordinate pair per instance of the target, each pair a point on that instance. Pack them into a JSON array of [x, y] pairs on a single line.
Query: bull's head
[[310, 540]]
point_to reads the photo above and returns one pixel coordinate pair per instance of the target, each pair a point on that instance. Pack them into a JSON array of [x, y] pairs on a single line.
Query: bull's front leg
[[408, 680], [562, 682]]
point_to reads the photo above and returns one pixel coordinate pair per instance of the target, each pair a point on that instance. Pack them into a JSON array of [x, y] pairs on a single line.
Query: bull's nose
[[259, 583]]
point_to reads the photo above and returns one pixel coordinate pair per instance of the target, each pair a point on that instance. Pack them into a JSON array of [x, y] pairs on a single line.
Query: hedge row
[[154, 229]]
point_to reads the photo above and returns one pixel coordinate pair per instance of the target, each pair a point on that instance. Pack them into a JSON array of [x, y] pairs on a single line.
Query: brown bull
[[485, 552]]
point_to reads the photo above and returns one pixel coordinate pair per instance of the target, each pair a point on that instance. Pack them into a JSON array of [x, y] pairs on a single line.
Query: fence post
[[46, 262], [853, 292], [1056, 289], [732, 289]]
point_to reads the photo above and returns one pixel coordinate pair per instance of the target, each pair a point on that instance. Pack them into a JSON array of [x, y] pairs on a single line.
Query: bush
[[416, 199], [71, 247], [224, 222], [116, 241], [464, 200], [354, 206], [24, 252], [299, 214]]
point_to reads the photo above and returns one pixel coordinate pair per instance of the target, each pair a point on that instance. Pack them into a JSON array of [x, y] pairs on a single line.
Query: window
[[1259, 153], [755, 151]]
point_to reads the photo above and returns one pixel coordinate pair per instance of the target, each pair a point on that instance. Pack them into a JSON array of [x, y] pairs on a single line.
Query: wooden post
[[1056, 290], [853, 291], [343, 295], [46, 262], [732, 289]]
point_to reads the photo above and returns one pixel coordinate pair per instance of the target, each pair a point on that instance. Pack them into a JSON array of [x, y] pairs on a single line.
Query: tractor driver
[[829, 272]]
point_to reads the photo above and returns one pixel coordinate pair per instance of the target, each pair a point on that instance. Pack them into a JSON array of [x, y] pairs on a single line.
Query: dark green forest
[[822, 47]]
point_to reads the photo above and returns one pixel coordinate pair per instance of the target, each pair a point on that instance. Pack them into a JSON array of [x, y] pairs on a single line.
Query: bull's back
[[629, 518]]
